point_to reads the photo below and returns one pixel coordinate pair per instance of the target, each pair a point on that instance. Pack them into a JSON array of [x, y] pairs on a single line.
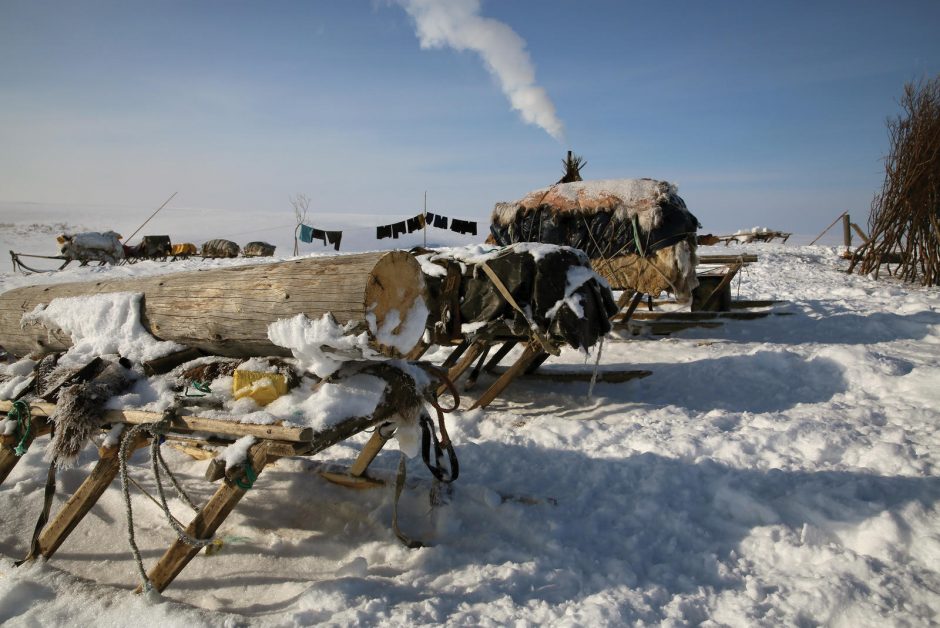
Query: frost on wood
[[101, 324]]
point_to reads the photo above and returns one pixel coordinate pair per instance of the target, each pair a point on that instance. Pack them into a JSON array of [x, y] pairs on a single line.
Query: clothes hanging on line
[[306, 233], [334, 238], [463, 226], [398, 229], [416, 223], [319, 234], [385, 231], [440, 222]]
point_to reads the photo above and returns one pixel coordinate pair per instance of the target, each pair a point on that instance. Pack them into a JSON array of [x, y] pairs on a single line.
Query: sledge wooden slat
[[191, 423], [726, 259], [82, 500], [700, 316], [205, 523], [608, 377]]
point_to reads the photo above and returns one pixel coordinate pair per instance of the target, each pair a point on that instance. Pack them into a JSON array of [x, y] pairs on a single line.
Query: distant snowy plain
[[780, 471]]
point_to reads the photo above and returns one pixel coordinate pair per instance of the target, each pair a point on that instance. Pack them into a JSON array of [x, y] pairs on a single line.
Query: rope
[[597, 362], [19, 412], [202, 387], [250, 477], [156, 430]]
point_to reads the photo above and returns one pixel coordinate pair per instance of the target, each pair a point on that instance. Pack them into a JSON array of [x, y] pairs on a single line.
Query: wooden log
[[226, 311]]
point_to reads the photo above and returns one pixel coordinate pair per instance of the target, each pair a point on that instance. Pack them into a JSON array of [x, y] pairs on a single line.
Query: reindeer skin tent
[[638, 233]]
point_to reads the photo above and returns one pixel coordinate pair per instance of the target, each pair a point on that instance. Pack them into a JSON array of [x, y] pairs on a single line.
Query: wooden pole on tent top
[[425, 219]]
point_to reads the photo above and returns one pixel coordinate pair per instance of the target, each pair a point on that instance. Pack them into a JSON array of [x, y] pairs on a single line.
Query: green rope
[[20, 413], [250, 477], [202, 387]]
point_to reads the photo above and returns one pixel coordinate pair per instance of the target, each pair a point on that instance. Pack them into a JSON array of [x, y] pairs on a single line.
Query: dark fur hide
[[79, 410]]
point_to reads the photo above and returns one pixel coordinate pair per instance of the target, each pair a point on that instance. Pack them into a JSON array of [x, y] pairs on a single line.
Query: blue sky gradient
[[764, 113]]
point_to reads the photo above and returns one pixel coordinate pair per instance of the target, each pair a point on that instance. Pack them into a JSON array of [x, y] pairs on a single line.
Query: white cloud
[[458, 24]]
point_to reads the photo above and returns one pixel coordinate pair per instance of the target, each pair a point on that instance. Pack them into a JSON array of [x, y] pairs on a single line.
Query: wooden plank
[[82, 500], [189, 423], [700, 316], [609, 377], [744, 303], [204, 524], [727, 259], [664, 328]]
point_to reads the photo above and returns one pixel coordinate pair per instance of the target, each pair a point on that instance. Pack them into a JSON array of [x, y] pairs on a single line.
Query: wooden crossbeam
[[726, 259], [189, 423]]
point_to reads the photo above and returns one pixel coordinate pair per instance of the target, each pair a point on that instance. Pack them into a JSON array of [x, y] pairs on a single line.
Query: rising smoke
[[458, 24]]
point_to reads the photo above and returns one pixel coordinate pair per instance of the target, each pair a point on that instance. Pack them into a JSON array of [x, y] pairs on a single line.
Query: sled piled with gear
[[106, 248], [298, 357]]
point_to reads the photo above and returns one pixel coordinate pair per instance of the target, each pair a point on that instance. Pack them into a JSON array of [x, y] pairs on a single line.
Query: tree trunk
[[226, 311]]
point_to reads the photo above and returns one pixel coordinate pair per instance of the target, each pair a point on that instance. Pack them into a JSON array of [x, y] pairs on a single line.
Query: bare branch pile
[[905, 216]]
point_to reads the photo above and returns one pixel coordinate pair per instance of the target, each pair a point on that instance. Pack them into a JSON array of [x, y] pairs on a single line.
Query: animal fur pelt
[[79, 410], [604, 218], [209, 371], [671, 270]]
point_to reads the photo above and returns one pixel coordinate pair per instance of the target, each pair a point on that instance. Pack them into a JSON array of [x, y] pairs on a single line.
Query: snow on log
[[227, 311]]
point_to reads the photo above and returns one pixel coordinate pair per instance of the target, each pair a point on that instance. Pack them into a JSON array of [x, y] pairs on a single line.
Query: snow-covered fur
[[625, 198], [79, 409], [92, 246]]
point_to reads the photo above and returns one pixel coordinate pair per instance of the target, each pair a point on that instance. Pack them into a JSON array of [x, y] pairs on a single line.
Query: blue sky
[[764, 113]]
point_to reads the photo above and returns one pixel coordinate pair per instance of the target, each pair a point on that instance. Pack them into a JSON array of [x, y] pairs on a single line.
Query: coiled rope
[[156, 432]]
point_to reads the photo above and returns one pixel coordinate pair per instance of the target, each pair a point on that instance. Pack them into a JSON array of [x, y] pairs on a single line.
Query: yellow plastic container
[[262, 387]]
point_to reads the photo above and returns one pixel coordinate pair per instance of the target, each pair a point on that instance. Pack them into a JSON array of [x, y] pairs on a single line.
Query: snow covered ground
[[780, 471]]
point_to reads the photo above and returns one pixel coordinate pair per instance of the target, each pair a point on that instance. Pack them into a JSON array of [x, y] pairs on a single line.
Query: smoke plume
[[458, 24]]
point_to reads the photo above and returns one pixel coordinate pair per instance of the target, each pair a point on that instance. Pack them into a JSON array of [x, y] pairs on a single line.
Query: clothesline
[[308, 233]]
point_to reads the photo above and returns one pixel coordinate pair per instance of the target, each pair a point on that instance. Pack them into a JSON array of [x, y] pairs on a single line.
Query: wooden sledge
[[274, 442]]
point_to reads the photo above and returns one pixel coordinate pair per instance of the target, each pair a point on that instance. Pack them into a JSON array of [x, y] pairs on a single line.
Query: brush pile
[[905, 216]]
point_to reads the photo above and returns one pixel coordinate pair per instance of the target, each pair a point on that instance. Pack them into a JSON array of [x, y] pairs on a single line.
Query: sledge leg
[[501, 353], [82, 500], [532, 351], [204, 524], [356, 476]]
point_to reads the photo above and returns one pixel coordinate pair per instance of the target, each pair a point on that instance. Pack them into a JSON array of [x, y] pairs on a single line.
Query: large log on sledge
[[226, 311]]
